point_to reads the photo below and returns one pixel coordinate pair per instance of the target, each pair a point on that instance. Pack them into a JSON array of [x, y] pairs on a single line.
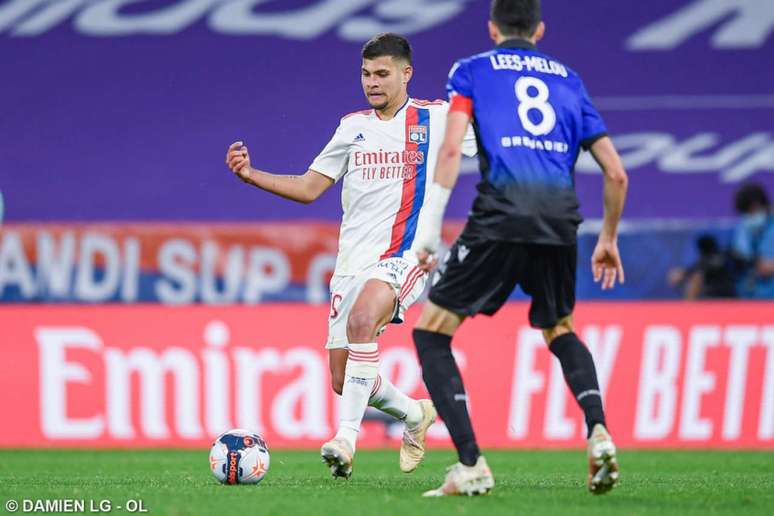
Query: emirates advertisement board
[[672, 374]]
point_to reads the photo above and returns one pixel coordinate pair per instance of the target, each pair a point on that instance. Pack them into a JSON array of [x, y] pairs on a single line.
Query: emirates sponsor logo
[[141, 376], [386, 166], [380, 157]]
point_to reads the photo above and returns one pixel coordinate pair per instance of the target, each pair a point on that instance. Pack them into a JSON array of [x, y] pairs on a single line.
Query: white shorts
[[401, 274]]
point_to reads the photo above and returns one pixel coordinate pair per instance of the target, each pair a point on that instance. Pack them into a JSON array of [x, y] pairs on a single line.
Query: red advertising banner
[[672, 375]]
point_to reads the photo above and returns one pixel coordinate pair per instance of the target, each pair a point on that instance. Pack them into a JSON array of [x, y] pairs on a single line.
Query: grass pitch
[[178, 482]]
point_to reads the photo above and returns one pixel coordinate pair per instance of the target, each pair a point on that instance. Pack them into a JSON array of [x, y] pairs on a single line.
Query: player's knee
[[562, 327], [361, 326], [438, 320], [428, 320]]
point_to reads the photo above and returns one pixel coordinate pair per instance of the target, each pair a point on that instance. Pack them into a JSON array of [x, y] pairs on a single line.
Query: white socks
[[387, 398], [363, 386], [359, 378]]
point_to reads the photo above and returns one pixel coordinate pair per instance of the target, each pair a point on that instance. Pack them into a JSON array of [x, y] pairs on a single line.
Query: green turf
[[528, 482]]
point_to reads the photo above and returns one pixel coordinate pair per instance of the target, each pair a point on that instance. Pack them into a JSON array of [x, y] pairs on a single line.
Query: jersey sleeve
[[460, 81], [469, 142], [333, 161], [741, 242], [593, 126], [460, 90], [766, 246]]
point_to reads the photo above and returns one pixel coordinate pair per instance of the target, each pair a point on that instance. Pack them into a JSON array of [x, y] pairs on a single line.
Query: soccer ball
[[239, 457]]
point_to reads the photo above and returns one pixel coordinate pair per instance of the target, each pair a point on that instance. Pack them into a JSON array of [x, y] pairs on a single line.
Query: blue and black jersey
[[532, 116]]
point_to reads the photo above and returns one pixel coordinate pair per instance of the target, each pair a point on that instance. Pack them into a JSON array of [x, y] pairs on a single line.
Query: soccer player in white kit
[[385, 156]]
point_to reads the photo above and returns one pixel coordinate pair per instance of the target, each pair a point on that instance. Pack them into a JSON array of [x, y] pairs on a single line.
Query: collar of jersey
[[517, 43], [408, 101]]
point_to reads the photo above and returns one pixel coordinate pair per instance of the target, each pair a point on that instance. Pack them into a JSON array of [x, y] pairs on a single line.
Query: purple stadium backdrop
[[121, 110]]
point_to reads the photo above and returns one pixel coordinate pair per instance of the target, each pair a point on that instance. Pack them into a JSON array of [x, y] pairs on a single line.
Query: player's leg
[[390, 400], [384, 395], [581, 377], [551, 285], [337, 454], [372, 310], [578, 368], [360, 308], [337, 362], [343, 289], [474, 277], [432, 337], [408, 280]]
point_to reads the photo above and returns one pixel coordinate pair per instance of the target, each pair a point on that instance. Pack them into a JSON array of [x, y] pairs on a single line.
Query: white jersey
[[387, 166]]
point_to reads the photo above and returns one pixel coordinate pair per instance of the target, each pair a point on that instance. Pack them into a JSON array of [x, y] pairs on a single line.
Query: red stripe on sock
[[363, 356], [377, 385], [367, 355]]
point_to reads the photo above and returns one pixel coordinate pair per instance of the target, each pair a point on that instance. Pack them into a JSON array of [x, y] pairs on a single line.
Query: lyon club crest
[[418, 134]]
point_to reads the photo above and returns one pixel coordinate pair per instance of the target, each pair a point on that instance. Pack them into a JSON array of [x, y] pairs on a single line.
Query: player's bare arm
[[303, 188], [447, 170], [450, 155], [606, 262]]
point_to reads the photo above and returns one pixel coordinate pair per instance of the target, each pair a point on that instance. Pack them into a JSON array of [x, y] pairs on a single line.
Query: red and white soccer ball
[[239, 457]]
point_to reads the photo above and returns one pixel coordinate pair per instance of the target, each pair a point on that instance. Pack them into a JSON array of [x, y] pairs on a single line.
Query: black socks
[[443, 381], [581, 376]]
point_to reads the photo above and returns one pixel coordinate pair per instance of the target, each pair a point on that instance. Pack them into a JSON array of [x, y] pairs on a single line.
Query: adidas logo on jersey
[[359, 138]]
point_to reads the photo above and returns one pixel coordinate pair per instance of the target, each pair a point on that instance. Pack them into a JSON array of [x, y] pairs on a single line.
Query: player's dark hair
[[387, 44], [749, 196], [707, 244], [518, 18]]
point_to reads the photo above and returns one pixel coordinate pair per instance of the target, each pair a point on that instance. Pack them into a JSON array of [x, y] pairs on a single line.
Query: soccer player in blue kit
[[532, 116]]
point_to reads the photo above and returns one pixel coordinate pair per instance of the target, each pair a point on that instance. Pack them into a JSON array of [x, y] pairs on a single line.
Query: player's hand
[[427, 241], [427, 261], [238, 160], [606, 263]]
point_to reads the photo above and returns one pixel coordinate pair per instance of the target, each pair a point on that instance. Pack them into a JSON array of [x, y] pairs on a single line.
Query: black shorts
[[478, 275]]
